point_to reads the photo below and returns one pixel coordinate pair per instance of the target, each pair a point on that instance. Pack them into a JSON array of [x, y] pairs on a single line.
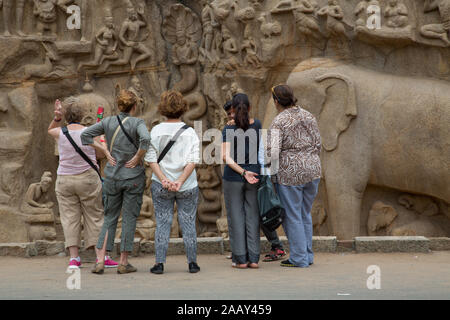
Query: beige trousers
[[80, 196]]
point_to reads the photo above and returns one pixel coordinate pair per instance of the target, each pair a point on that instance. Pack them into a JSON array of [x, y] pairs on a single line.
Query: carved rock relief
[[209, 50]]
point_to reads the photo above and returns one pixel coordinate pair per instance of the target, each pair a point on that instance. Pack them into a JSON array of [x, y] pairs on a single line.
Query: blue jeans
[[298, 226]]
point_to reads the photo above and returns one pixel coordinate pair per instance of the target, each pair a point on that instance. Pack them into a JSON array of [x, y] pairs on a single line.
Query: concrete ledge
[[176, 246], [439, 244], [325, 244], [220, 246], [17, 249], [392, 244], [32, 249]]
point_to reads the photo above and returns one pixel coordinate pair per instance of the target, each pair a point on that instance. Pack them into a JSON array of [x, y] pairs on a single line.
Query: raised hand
[[58, 110]]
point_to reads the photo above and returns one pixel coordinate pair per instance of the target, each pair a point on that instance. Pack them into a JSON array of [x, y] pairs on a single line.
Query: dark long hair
[[241, 105]]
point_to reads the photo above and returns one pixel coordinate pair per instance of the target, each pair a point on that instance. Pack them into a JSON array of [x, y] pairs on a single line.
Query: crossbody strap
[[65, 131], [172, 142], [126, 133], [115, 135]]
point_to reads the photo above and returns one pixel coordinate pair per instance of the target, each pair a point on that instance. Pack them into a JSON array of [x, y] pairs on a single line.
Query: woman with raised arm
[[78, 186]]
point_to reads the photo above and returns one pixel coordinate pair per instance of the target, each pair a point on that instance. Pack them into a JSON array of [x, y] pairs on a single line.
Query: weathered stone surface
[[392, 244], [210, 245], [14, 249], [439, 244], [49, 248], [339, 68]]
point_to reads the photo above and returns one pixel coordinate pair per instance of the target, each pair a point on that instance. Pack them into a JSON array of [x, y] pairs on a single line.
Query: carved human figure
[[182, 28], [105, 47], [335, 15], [438, 30], [396, 14], [305, 18], [185, 55], [138, 90], [208, 22], [230, 49], [36, 198], [6, 5], [234, 89], [63, 4], [130, 37], [251, 56], [45, 13]]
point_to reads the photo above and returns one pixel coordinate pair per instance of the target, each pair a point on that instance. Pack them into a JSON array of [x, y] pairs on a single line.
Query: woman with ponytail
[[240, 183]]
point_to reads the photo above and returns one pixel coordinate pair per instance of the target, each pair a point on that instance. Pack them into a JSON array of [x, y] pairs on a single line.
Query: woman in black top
[[240, 183]]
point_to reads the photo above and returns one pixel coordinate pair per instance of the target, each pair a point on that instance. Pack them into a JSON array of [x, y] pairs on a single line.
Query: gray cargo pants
[[121, 196]]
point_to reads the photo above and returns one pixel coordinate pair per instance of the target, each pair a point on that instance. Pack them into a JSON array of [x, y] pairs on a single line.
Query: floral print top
[[296, 145]]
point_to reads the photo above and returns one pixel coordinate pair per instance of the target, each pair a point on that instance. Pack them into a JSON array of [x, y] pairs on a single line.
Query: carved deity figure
[[438, 30], [105, 47], [130, 37], [305, 18], [335, 15], [45, 13], [182, 28], [396, 14]]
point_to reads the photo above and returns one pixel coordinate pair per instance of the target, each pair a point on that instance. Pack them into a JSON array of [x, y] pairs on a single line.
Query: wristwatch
[[243, 173]]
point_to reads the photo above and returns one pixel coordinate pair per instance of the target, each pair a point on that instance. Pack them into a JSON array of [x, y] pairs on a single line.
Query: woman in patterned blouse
[[296, 147]]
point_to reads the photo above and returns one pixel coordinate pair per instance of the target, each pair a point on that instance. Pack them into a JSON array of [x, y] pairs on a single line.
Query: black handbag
[[271, 210]]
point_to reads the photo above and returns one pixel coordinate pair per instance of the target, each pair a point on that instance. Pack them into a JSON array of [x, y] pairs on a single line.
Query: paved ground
[[333, 276]]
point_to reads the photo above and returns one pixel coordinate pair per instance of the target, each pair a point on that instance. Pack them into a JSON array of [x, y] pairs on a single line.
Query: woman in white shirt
[[174, 179]]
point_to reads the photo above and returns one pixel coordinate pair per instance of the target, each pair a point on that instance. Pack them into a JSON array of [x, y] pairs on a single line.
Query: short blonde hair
[[126, 101], [172, 104]]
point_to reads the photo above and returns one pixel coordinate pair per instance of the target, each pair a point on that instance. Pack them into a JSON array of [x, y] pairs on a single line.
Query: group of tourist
[[171, 150]]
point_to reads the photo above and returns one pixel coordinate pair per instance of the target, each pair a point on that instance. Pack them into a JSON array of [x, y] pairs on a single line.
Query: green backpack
[[271, 210]]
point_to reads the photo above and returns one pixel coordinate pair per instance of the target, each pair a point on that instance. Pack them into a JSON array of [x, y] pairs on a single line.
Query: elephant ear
[[338, 110]]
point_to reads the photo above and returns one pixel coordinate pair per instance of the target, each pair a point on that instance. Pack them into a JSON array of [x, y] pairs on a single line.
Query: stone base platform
[[221, 246]]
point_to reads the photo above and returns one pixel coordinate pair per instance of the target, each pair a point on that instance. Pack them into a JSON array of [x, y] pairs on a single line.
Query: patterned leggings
[[164, 201]]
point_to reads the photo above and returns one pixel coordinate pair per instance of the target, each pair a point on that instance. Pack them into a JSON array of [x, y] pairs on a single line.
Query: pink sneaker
[[110, 263], [74, 264]]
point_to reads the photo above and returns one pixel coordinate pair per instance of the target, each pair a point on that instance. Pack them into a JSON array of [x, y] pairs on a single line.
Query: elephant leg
[[345, 190]]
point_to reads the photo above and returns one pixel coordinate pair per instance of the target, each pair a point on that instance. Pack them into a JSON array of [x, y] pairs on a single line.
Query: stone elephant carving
[[376, 129]]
